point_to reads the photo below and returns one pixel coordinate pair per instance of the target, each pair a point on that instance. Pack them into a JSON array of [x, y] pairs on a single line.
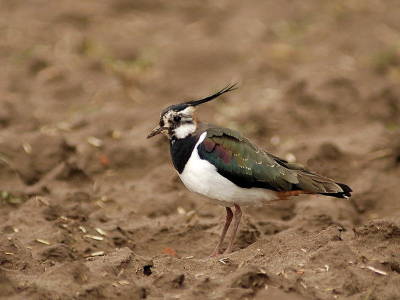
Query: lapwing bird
[[223, 165]]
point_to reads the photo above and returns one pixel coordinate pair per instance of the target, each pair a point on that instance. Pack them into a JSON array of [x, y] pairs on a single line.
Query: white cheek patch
[[184, 130], [189, 110]]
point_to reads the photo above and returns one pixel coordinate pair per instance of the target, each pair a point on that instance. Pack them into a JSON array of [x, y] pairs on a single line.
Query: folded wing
[[248, 166]]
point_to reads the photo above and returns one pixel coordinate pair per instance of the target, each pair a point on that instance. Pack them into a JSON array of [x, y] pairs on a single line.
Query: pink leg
[[229, 216], [238, 215]]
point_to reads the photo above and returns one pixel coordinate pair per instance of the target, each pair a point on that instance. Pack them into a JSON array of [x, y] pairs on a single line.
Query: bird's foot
[[214, 254], [218, 252], [228, 251]]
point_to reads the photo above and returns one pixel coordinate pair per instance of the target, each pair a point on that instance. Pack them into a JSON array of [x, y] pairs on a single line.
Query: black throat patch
[[181, 150]]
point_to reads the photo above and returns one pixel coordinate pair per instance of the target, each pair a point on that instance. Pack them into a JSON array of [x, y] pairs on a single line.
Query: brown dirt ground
[[89, 206]]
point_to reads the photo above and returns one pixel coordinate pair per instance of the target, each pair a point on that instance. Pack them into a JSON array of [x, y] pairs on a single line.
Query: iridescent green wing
[[246, 165], [243, 163]]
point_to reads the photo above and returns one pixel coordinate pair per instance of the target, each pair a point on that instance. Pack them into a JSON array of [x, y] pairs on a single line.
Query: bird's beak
[[156, 131]]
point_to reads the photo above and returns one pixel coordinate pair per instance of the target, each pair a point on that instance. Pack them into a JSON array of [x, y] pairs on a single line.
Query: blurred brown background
[[83, 82]]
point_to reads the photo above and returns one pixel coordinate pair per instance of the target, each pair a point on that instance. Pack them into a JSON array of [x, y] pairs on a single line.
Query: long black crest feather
[[182, 106], [228, 88]]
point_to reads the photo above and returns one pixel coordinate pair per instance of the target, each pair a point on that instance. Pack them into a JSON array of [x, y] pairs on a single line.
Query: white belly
[[202, 177]]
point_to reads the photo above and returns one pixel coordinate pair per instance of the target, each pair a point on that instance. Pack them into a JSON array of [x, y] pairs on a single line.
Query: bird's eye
[[177, 119]]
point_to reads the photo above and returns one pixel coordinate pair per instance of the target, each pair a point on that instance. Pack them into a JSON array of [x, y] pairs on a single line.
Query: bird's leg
[[238, 215], [229, 215]]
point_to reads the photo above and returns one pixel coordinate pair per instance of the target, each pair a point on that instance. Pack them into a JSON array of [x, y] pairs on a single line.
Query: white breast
[[202, 177]]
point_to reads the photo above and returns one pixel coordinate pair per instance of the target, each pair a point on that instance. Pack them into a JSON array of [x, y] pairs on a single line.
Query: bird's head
[[180, 120]]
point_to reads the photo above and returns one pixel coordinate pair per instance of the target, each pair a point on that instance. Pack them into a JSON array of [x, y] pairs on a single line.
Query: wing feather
[[248, 166]]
